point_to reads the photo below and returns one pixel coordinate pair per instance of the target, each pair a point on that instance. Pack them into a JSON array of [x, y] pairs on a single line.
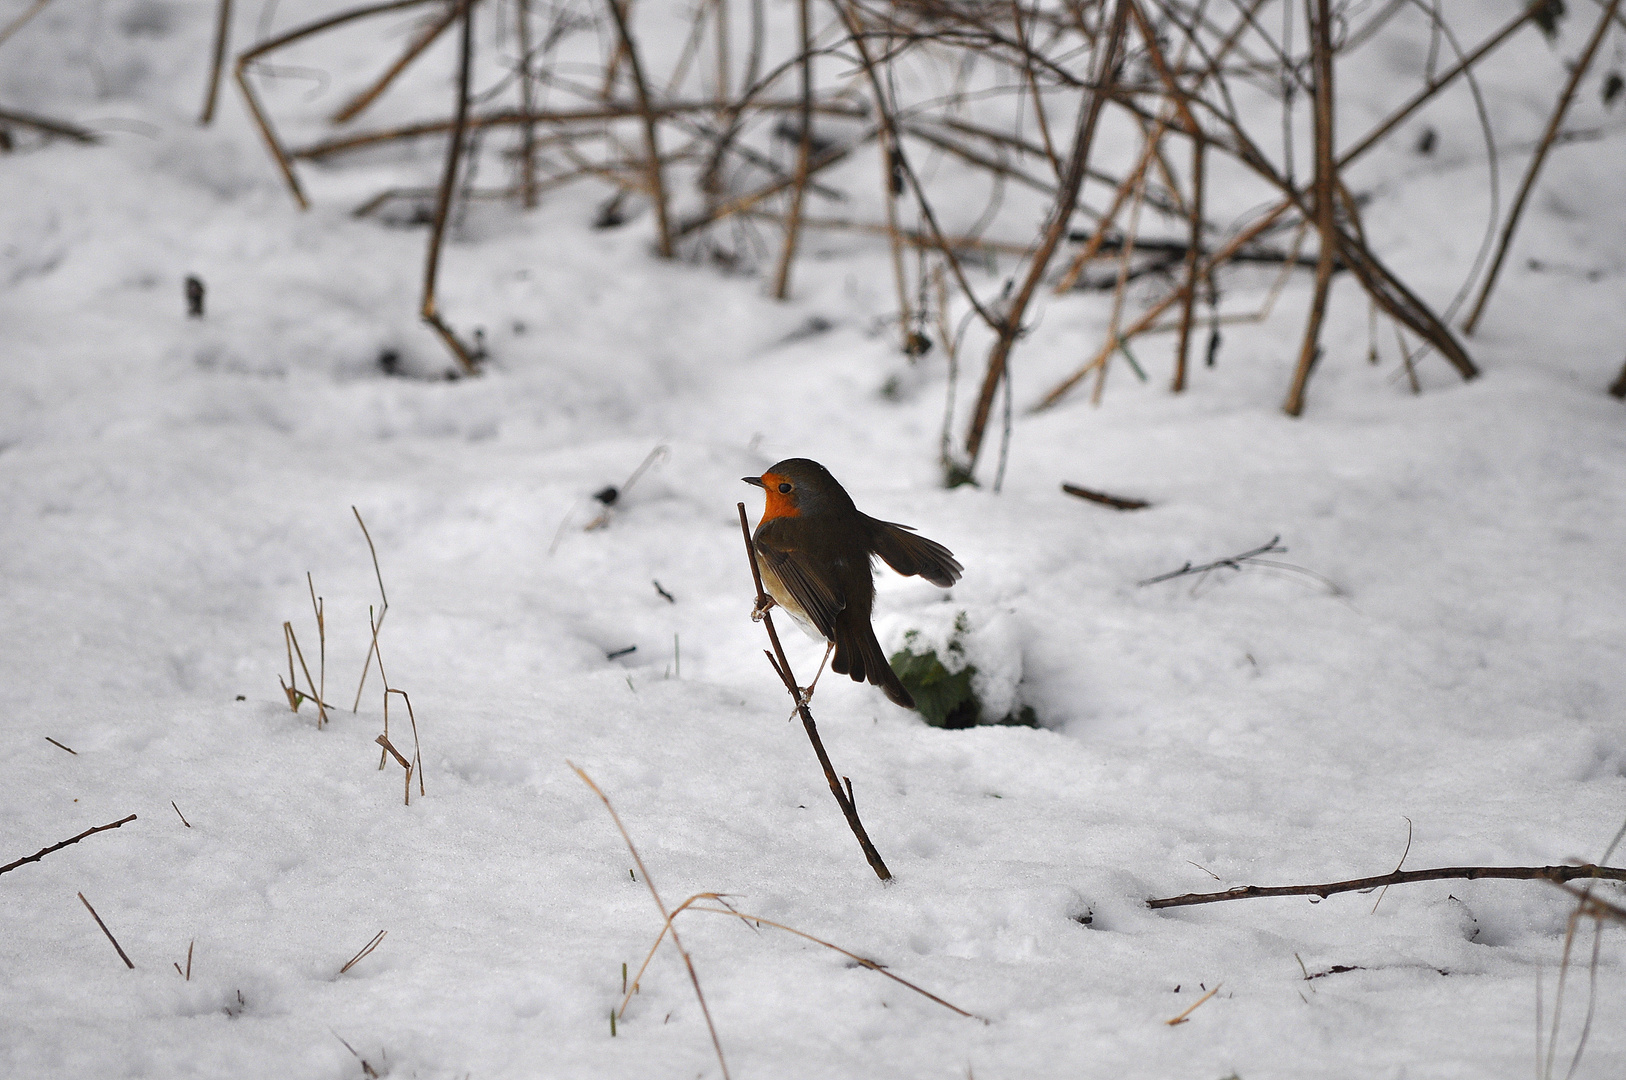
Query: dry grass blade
[[366, 950], [1178, 1020], [384, 608], [666, 917]]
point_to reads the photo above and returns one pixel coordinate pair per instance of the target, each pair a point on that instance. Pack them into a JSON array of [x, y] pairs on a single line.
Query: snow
[[168, 483]]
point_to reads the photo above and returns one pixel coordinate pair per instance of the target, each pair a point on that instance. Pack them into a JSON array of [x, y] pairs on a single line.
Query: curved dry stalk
[[666, 916]]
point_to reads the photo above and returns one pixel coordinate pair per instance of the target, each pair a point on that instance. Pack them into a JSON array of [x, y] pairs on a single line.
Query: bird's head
[[797, 486]]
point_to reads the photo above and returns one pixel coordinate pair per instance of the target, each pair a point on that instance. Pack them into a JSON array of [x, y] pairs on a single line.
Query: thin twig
[[40, 854], [654, 172], [49, 126], [1577, 73], [1401, 877], [366, 949], [1114, 501], [384, 608], [782, 668], [429, 310], [217, 61], [127, 961]]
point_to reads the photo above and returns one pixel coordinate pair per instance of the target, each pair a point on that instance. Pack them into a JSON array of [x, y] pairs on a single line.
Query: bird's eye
[[784, 489]]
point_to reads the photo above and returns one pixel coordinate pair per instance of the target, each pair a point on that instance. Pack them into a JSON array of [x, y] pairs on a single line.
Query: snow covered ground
[[166, 484]]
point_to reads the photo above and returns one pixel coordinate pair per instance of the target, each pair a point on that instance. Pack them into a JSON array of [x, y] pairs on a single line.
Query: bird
[[815, 550]]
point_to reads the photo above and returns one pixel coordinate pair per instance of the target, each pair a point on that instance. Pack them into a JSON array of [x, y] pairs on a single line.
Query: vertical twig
[[804, 150], [1061, 213], [1193, 248], [1577, 73], [527, 131], [1326, 172], [443, 201], [653, 170], [222, 36]]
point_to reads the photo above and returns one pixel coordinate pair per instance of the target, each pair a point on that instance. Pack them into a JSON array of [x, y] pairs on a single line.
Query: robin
[[814, 549]]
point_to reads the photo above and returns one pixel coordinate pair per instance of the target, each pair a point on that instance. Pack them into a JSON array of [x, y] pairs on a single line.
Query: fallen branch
[[40, 854], [1104, 499], [1443, 873], [1235, 562]]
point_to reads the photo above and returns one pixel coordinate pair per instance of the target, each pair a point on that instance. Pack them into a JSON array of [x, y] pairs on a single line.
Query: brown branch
[[518, 117], [217, 62], [1436, 84], [1188, 310], [745, 202], [668, 927], [1114, 501], [656, 179], [1443, 873], [427, 37], [804, 154], [42, 852], [443, 202], [1230, 248], [1010, 323], [527, 138], [1326, 179], [262, 119], [1553, 124], [127, 961], [782, 668]]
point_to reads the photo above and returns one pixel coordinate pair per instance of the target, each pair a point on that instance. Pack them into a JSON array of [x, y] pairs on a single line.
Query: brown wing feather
[[790, 565], [910, 554]]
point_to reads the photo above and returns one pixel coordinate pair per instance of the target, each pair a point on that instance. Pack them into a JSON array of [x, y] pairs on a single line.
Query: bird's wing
[[910, 554], [819, 600]]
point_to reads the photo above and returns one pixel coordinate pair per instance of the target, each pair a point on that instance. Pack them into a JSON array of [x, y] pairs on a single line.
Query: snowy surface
[[166, 484]]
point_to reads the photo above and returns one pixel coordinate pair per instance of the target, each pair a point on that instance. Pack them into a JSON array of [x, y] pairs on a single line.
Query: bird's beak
[[757, 480]]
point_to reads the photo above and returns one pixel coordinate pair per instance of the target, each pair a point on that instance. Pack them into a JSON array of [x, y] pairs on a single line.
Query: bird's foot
[[763, 605]]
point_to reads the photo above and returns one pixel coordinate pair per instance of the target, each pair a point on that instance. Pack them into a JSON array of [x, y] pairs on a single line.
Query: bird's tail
[[910, 554], [859, 655]]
